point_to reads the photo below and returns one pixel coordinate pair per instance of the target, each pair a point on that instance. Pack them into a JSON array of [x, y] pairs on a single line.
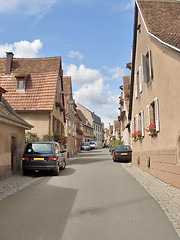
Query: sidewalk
[[166, 195]]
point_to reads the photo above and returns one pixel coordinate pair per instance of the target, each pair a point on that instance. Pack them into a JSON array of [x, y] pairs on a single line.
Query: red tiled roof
[[162, 19], [40, 85], [6, 112]]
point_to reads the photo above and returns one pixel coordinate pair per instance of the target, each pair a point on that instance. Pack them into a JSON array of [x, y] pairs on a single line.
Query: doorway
[[13, 154]]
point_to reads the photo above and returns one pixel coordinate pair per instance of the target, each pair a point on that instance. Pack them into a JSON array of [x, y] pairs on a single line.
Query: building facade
[[35, 89], [12, 138], [155, 87]]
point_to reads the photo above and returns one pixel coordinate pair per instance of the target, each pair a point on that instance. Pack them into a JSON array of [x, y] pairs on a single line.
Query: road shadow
[[67, 171], [88, 158], [39, 211]]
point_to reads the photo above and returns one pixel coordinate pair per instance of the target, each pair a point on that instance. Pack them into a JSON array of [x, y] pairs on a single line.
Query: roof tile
[[162, 19]]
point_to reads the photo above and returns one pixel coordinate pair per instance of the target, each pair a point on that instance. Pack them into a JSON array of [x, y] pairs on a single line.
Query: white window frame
[[140, 79], [132, 126], [156, 108], [135, 82], [142, 122], [148, 116], [137, 122]]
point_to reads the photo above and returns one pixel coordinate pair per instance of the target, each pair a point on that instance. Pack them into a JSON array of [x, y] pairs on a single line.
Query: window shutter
[[142, 122], [156, 114], [132, 126], [149, 63], [144, 68], [140, 80], [136, 94], [148, 116], [137, 121]]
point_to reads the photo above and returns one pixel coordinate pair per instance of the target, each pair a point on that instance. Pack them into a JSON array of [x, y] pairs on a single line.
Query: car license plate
[[38, 158], [124, 154]]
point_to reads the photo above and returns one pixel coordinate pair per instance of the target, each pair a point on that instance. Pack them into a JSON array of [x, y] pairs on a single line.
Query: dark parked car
[[40, 156], [86, 146], [122, 153]]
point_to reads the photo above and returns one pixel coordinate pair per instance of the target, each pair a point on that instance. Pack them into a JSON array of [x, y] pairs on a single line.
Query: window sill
[[20, 90]]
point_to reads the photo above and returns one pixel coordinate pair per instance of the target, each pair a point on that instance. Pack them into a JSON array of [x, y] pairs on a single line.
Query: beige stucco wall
[[8, 131], [165, 85], [40, 121]]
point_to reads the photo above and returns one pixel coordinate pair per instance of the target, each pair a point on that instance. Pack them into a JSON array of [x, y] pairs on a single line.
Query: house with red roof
[[155, 89], [12, 138], [35, 91]]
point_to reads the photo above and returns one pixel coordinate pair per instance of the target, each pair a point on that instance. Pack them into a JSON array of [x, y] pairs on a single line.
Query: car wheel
[[25, 172], [56, 173], [63, 165]]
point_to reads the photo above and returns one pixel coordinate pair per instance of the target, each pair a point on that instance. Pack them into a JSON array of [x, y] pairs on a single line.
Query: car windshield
[[86, 144], [34, 148], [123, 148], [92, 142]]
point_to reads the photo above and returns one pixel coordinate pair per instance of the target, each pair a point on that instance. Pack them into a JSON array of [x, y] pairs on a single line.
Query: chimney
[[9, 57]]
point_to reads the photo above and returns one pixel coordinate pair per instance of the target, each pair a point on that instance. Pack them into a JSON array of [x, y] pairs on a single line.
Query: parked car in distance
[[43, 156], [93, 145], [122, 153], [86, 146]]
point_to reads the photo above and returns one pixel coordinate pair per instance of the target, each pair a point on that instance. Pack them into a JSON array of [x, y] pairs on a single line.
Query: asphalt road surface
[[92, 199]]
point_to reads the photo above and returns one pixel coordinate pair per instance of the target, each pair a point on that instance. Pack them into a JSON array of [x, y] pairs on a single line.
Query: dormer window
[[21, 83]]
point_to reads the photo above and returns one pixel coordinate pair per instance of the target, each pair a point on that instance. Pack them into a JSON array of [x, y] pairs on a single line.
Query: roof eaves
[[152, 35]]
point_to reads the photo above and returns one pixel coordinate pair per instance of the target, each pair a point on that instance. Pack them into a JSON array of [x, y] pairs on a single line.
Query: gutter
[[133, 61]]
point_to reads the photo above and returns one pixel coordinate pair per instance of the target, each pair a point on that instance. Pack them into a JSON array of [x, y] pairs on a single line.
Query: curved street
[[93, 198]]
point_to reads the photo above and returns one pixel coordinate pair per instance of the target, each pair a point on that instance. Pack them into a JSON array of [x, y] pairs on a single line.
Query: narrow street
[[92, 199]]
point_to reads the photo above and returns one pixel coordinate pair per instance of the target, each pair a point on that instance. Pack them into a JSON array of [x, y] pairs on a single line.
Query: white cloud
[[130, 5], [82, 75], [75, 54], [30, 7], [117, 73], [22, 49], [94, 91]]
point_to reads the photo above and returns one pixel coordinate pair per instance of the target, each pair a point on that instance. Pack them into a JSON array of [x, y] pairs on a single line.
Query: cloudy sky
[[93, 37]]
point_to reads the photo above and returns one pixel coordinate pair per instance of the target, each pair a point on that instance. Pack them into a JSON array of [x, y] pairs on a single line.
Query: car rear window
[[33, 148], [123, 148]]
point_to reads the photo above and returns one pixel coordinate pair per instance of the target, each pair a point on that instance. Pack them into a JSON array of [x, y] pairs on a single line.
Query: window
[[141, 119], [58, 126], [138, 82], [69, 126], [153, 114], [146, 66], [20, 84]]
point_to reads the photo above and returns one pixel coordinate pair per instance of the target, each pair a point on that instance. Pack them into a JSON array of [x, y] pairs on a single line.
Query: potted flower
[[151, 129], [134, 136], [137, 135], [61, 139]]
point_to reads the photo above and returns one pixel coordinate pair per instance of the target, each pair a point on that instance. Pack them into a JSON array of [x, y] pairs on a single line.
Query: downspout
[[133, 60]]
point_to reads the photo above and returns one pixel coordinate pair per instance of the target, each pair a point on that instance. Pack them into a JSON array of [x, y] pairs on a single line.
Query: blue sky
[[93, 37]]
